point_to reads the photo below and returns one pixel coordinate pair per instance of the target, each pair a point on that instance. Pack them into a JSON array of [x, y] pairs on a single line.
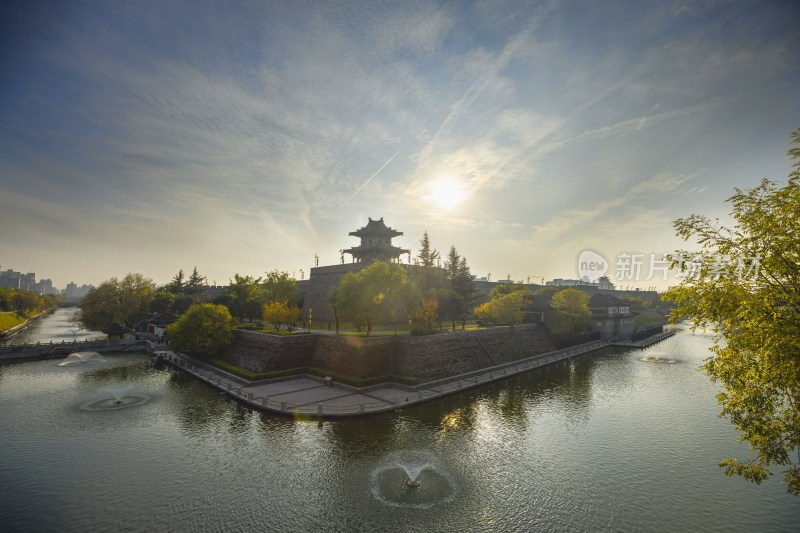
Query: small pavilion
[[376, 243]]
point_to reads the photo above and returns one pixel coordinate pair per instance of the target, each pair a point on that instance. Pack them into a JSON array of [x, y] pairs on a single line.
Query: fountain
[[82, 358], [413, 480], [115, 397]]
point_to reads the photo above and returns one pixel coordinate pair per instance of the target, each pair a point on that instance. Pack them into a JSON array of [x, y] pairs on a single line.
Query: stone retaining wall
[[427, 358]]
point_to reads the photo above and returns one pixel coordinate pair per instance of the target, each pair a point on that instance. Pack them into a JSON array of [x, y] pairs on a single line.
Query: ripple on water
[[414, 480]]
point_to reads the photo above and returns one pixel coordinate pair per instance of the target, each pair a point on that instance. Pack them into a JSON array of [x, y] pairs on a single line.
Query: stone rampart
[[261, 352], [427, 358]]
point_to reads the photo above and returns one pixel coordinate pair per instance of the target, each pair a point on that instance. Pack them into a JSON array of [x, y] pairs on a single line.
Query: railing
[[55, 346], [418, 393]]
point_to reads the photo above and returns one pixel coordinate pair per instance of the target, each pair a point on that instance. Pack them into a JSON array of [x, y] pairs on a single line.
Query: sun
[[446, 193]]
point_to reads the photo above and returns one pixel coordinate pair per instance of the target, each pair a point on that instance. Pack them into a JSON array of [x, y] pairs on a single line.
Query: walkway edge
[[236, 386]]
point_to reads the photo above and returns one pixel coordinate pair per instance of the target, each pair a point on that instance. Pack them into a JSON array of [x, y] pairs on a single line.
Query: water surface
[[603, 442], [56, 327]]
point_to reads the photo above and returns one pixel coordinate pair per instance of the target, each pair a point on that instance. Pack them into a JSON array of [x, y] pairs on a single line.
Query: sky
[[246, 136]]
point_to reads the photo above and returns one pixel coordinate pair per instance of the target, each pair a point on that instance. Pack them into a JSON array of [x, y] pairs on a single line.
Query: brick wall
[[427, 358]]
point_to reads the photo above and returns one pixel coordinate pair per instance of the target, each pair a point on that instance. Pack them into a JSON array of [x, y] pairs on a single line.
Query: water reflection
[[602, 442], [56, 327]]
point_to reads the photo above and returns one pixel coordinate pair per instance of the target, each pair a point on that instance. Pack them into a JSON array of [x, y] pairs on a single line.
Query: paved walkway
[[648, 341], [313, 396]]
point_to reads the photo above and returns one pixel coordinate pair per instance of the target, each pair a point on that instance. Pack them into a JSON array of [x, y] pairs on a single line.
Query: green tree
[[203, 331], [427, 256], [125, 301], [451, 306], [183, 302], [461, 281], [175, 286], [505, 310], [279, 286], [25, 302], [162, 302], [376, 294], [196, 284], [244, 297], [548, 292], [334, 301], [5, 299], [572, 312], [744, 285], [507, 288]]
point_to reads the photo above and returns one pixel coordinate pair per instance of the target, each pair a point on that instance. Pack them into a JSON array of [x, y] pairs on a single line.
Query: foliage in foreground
[[745, 286], [204, 331]]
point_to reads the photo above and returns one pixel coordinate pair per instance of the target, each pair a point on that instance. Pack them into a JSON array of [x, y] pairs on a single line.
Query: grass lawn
[[319, 372], [9, 320], [646, 320]]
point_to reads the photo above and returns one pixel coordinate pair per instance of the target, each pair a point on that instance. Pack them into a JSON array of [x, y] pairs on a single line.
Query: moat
[[614, 440]]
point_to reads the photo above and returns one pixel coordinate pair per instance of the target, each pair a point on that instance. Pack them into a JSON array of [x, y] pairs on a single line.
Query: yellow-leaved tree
[[744, 284]]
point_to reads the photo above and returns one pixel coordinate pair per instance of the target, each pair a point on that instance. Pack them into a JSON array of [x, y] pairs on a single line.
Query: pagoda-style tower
[[376, 243]]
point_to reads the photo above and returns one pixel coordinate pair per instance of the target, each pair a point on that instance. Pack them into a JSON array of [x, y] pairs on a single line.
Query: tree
[[451, 305], [572, 312], [125, 301], [376, 294], [427, 312], [334, 301], [244, 297], [176, 285], [281, 313], [461, 281], [25, 302], [183, 302], [744, 285], [279, 287], [5, 299], [162, 302], [548, 292], [507, 288], [504, 310], [195, 285], [427, 257], [203, 331]]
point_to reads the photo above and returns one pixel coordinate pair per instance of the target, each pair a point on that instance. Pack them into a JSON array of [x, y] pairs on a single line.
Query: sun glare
[[446, 193]]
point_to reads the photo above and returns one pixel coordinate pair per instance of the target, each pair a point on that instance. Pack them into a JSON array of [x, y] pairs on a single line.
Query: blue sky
[[240, 137]]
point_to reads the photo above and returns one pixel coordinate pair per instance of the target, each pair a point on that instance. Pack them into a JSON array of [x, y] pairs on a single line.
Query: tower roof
[[376, 228]]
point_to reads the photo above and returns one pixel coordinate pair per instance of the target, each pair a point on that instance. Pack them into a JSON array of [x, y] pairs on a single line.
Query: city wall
[[427, 358]]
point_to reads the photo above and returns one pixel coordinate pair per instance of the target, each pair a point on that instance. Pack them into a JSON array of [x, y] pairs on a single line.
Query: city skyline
[[241, 138]]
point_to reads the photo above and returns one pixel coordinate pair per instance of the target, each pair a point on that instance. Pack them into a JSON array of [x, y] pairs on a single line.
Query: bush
[[419, 330], [204, 331]]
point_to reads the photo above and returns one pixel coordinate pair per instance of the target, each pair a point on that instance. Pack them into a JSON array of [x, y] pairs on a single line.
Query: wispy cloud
[[191, 122]]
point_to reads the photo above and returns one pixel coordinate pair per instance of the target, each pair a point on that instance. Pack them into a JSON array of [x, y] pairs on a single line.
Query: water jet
[[82, 358], [114, 397]]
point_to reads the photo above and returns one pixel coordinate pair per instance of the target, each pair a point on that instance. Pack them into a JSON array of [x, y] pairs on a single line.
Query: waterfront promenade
[[312, 396]]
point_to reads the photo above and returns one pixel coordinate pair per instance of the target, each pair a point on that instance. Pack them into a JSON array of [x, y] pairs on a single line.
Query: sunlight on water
[[609, 441]]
